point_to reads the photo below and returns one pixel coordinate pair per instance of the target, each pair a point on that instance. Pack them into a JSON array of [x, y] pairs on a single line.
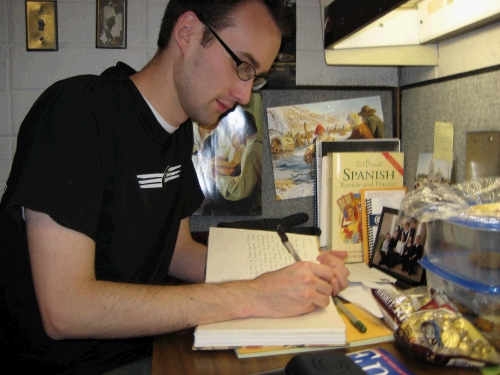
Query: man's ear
[[187, 31]]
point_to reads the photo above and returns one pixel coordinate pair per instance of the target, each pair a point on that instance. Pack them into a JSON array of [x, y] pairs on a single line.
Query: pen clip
[[282, 234]]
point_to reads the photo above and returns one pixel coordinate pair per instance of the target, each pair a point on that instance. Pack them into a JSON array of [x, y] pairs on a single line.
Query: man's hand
[[335, 259], [297, 289]]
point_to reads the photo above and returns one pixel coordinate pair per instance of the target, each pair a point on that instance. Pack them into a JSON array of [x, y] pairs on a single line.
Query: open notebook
[[237, 254]]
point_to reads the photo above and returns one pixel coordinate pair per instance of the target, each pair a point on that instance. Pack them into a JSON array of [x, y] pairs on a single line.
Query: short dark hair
[[217, 14]]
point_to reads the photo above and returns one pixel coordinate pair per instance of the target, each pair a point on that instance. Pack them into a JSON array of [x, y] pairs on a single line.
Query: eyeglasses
[[244, 70]]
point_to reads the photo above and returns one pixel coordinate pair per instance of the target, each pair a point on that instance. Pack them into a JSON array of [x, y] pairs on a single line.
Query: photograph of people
[[396, 251], [96, 212]]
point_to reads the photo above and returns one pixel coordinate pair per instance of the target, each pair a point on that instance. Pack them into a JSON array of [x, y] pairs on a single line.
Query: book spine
[[369, 231], [315, 188], [330, 198]]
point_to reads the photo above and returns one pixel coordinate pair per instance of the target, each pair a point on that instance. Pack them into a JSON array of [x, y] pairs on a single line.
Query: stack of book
[[376, 332], [344, 171]]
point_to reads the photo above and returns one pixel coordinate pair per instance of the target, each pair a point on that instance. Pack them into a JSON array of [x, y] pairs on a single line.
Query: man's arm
[[73, 304], [190, 257]]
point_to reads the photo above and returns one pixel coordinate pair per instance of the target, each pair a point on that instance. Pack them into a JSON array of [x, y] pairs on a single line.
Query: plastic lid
[[480, 223], [466, 283]]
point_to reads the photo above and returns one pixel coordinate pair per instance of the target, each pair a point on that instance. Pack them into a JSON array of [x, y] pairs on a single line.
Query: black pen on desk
[[357, 323], [288, 245]]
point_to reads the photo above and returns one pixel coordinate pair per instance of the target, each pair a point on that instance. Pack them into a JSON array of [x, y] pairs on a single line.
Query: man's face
[[207, 83]]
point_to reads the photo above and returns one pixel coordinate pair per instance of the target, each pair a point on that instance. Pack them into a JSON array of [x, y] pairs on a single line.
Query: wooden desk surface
[[173, 355]]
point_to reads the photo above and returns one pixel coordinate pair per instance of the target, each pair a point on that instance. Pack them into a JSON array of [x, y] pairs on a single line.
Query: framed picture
[[283, 72], [111, 24], [398, 246]]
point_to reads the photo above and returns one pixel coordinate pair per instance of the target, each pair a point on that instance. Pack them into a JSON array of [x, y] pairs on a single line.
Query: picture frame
[[283, 72], [111, 24], [399, 258]]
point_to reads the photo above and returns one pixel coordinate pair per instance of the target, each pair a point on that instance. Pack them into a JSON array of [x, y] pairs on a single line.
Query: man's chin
[[209, 127]]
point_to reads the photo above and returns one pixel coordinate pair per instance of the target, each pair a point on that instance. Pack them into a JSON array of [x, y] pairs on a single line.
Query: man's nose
[[242, 91]]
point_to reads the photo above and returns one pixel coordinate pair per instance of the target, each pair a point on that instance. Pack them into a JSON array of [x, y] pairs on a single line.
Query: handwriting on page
[[239, 254], [267, 252]]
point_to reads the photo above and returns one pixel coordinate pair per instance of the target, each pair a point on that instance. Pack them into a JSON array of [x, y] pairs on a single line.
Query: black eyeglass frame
[[259, 81]]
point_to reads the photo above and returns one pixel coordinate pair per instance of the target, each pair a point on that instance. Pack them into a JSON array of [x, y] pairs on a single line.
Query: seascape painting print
[[227, 157], [294, 130]]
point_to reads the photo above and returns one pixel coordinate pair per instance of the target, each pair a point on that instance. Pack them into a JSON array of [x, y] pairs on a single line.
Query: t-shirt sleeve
[[57, 168]]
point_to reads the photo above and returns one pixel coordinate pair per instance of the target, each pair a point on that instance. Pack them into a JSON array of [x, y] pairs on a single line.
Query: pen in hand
[[288, 245], [357, 323]]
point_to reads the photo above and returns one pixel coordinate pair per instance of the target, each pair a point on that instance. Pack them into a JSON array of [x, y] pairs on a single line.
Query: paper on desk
[[361, 280], [362, 273]]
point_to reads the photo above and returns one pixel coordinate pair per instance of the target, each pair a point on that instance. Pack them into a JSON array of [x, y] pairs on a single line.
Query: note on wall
[[443, 141]]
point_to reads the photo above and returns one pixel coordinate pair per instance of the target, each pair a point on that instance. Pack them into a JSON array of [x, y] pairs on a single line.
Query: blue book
[[364, 362], [378, 361]]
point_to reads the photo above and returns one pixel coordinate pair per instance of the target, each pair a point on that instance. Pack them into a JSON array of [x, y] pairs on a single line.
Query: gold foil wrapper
[[448, 333]]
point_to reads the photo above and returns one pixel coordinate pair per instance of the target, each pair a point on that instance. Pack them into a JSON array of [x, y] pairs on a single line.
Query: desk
[[173, 355]]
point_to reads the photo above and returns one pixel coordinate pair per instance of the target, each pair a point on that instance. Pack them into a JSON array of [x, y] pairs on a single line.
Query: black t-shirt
[[92, 155]]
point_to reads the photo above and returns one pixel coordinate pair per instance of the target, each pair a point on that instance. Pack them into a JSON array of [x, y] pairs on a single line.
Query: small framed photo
[[398, 247], [111, 24]]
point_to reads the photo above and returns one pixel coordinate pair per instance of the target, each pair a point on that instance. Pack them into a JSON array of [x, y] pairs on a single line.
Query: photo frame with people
[[398, 246]]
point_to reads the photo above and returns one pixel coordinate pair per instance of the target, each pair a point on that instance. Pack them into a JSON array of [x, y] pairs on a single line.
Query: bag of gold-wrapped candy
[[439, 334], [397, 304]]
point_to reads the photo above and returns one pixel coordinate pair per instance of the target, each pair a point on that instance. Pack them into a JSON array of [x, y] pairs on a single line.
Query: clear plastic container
[[469, 251]]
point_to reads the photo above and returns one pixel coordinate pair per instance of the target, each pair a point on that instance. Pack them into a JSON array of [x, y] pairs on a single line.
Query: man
[[319, 133], [392, 248], [374, 123], [417, 253], [413, 227], [384, 250], [96, 210], [406, 231]]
